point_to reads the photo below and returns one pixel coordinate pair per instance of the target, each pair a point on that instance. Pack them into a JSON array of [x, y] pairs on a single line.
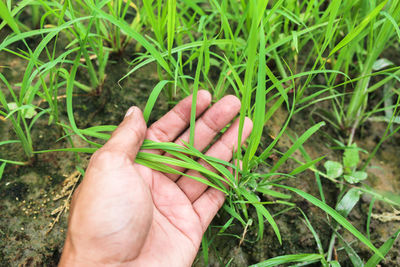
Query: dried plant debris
[[388, 216], [68, 189]]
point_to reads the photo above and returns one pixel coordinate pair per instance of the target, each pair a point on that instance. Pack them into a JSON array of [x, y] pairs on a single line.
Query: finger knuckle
[[159, 134], [104, 158]]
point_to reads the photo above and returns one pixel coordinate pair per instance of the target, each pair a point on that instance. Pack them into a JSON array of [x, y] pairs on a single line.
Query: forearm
[[71, 257]]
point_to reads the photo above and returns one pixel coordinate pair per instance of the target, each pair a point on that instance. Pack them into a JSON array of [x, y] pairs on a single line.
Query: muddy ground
[[33, 196]]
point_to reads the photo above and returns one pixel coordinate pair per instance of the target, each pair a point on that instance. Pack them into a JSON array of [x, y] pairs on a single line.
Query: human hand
[[124, 213]]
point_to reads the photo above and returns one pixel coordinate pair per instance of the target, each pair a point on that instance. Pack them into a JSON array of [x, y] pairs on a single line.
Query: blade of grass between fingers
[[217, 164], [102, 128], [218, 182], [153, 162], [155, 165], [95, 134], [339, 218], [190, 165], [190, 150]]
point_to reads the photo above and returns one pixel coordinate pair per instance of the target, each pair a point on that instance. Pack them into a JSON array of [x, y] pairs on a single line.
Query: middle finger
[[209, 125]]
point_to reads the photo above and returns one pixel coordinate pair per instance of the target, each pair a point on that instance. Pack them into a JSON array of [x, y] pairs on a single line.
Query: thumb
[[129, 135]]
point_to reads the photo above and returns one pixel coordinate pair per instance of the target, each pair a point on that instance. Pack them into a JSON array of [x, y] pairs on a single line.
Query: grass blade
[[194, 95], [384, 249], [2, 167], [357, 30], [171, 24], [288, 259], [7, 17], [334, 214], [354, 257], [152, 99], [304, 137], [349, 200], [306, 166], [135, 35], [261, 210], [259, 111]]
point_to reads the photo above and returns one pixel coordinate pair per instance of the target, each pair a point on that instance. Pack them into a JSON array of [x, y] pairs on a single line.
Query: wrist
[[73, 257]]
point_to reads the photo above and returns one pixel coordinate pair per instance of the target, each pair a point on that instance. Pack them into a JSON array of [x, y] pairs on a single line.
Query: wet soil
[[29, 193]]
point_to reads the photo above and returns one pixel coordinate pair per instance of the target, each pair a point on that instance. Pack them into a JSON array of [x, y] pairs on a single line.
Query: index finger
[[172, 124]]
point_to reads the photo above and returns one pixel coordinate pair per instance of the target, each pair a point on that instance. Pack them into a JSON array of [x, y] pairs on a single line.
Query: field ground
[[28, 193]]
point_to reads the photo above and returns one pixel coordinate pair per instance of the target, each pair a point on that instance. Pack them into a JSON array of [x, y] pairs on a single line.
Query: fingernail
[[130, 111]]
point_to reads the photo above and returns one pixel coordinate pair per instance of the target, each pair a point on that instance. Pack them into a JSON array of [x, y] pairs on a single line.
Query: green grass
[[276, 56]]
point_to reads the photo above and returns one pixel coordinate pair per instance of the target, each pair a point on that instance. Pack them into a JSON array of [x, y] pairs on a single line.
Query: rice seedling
[[369, 32], [40, 80]]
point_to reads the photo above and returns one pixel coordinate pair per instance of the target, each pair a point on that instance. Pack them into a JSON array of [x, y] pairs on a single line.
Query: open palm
[[124, 213]]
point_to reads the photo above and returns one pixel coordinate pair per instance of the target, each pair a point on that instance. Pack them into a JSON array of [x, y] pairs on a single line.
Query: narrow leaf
[[288, 259], [297, 144], [383, 250], [335, 215], [152, 99], [2, 166]]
